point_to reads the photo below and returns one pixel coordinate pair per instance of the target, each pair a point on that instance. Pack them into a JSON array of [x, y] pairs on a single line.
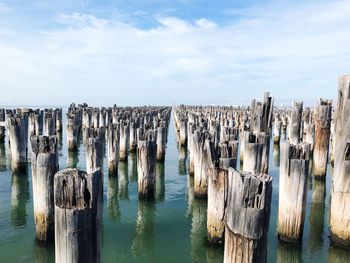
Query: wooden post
[[183, 133], [295, 123], [58, 117], [94, 149], [44, 167], [340, 202], [309, 135], [132, 136], [248, 215], [323, 114], [200, 164], [113, 148], [124, 140], [18, 138], [277, 131], [161, 141], [256, 153], [2, 125], [146, 160], [72, 136], [77, 220], [217, 199], [50, 123], [292, 191], [39, 122]]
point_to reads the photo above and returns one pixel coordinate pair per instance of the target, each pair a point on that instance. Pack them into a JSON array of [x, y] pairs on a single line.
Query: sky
[[134, 52]]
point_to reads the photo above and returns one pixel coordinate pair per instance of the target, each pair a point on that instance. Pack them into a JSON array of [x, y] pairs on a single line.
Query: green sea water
[[172, 228]]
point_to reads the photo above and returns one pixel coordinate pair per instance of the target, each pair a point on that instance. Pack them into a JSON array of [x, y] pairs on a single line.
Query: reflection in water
[[338, 254], [2, 157], [123, 179], [73, 159], [198, 207], [317, 215], [288, 253], [19, 198], [133, 167], [190, 195], [143, 243], [215, 254], [182, 160], [160, 184], [112, 198], [44, 252], [59, 142], [276, 155], [310, 175]]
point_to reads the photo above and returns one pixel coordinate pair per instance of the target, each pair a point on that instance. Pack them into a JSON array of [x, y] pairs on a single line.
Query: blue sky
[[163, 52]]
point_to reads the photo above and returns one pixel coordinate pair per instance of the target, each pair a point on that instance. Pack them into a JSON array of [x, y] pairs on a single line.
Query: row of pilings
[[238, 200], [68, 203]]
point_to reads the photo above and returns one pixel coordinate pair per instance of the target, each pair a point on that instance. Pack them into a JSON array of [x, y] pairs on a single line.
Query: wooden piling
[[18, 138], [292, 191], [113, 148], [76, 217], [146, 160], [323, 118], [44, 166], [295, 123], [248, 215], [340, 201]]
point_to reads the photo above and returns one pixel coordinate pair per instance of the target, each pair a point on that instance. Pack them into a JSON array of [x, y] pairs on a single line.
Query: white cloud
[[205, 23], [295, 52], [82, 20]]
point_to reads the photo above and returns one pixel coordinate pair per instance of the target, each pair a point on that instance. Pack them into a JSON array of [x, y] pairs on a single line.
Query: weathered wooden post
[[256, 153], [72, 136], [2, 125], [200, 164], [44, 166], [146, 160], [113, 148], [124, 140], [18, 138], [50, 123], [323, 118], [94, 149], [295, 123], [340, 202], [58, 117], [39, 122], [277, 131], [292, 191], [248, 215], [183, 133], [309, 135], [76, 217], [133, 135], [161, 141], [217, 199]]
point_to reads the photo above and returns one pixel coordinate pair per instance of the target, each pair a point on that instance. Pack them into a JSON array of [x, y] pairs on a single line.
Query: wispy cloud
[[293, 51]]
